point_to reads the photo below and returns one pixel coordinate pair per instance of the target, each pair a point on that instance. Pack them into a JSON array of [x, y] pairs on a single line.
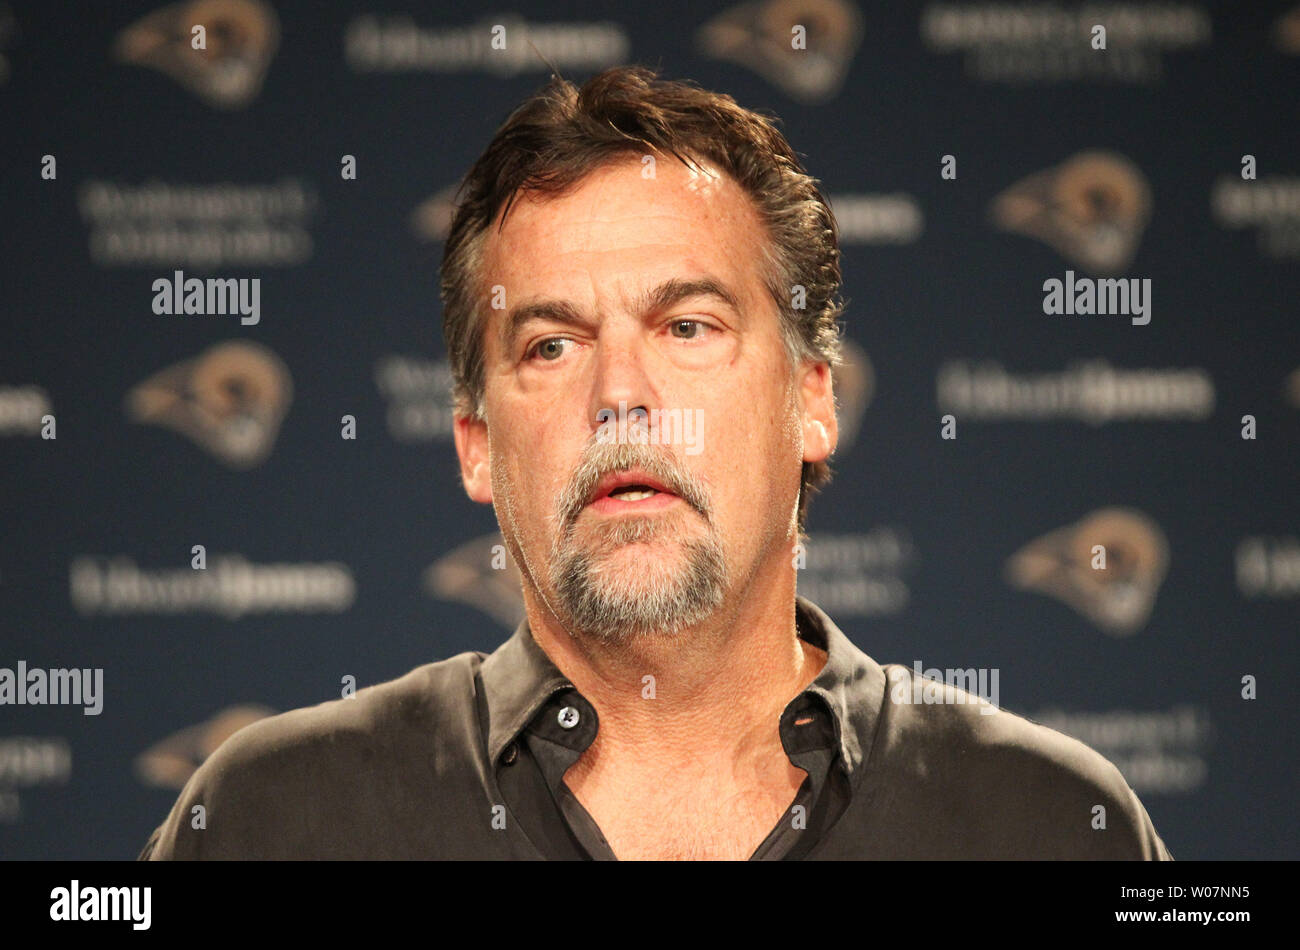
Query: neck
[[715, 689]]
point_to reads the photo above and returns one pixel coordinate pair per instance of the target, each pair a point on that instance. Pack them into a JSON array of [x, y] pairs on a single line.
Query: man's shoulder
[[295, 781], [437, 696], [931, 718], [1036, 788]]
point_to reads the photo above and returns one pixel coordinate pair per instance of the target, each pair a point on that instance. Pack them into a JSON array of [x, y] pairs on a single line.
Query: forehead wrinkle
[[650, 300], [587, 214]]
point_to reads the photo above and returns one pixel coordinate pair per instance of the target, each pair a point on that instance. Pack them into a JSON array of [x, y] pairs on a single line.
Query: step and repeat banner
[[1069, 409]]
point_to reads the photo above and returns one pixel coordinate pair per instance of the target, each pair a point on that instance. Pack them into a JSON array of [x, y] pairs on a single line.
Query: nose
[[622, 377]]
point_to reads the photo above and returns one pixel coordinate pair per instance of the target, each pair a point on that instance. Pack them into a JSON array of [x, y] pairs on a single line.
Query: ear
[[472, 449], [821, 432]]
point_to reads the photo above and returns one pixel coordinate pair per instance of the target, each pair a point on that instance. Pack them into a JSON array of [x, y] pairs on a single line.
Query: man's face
[[575, 333]]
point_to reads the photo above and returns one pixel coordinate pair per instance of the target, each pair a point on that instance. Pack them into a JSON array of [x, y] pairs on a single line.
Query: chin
[[644, 563]]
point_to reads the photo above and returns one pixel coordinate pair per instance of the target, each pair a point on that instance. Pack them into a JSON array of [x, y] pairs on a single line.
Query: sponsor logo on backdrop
[[230, 400], [224, 64], [856, 575], [481, 574], [894, 218], [29, 761], [503, 46], [803, 47], [1090, 391], [230, 586], [1051, 42], [418, 392], [1092, 209], [22, 408], [198, 226], [1159, 752], [170, 762], [1108, 566], [1269, 567], [1270, 205]]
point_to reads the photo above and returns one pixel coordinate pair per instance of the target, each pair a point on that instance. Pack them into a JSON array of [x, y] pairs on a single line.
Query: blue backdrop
[[989, 447]]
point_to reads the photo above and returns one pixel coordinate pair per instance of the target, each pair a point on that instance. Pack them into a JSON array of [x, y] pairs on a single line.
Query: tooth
[[635, 495]]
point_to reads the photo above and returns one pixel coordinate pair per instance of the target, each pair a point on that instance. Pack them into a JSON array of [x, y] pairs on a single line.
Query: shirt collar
[[519, 678], [851, 684]]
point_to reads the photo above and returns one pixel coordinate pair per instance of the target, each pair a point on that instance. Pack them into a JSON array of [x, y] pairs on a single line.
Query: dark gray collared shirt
[[465, 759]]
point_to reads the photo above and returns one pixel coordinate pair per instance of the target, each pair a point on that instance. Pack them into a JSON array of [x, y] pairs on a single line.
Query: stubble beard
[[635, 578], [625, 578]]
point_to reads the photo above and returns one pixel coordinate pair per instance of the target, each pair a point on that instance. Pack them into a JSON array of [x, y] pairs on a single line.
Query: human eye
[[547, 349], [695, 329]]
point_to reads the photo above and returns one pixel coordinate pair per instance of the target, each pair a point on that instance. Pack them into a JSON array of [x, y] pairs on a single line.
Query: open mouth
[[633, 492], [628, 491]]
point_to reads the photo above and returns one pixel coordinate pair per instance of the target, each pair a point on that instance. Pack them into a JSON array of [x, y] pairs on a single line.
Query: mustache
[[601, 459]]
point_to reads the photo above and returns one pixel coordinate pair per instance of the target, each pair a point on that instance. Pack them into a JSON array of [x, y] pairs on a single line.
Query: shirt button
[[510, 755], [568, 717]]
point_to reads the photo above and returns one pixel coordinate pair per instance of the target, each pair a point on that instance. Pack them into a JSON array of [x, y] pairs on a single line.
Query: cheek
[[750, 429], [751, 457], [791, 429], [526, 482]]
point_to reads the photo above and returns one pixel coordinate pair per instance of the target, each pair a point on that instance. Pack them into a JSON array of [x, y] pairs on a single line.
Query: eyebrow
[[659, 298]]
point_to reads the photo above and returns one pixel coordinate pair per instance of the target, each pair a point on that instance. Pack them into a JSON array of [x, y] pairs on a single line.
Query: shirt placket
[[556, 739]]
